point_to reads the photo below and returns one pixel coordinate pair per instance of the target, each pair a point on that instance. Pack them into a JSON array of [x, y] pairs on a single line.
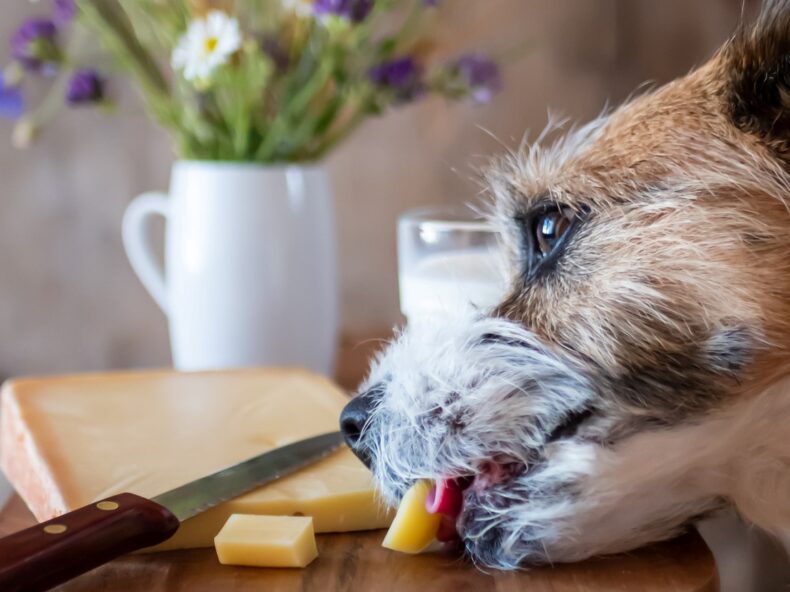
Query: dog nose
[[353, 419]]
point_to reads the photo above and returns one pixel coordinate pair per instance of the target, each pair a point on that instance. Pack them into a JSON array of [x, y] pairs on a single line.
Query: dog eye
[[544, 232], [549, 228]]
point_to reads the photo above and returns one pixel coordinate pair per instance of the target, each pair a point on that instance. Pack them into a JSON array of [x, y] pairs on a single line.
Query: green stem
[[111, 21], [56, 94], [409, 31], [340, 134], [312, 127], [512, 53], [296, 108]]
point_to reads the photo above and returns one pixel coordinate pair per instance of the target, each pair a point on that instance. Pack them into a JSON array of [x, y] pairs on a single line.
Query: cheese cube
[[413, 528], [266, 541]]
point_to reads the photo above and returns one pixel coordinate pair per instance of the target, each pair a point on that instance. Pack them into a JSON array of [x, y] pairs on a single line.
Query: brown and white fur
[[637, 377]]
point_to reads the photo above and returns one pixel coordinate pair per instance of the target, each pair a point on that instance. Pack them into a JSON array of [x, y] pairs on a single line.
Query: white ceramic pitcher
[[250, 273]]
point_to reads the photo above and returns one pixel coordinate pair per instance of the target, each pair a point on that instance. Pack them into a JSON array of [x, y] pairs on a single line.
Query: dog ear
[[757, 73]]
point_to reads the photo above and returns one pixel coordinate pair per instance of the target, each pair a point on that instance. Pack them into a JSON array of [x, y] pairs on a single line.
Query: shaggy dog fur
[[635, 377]]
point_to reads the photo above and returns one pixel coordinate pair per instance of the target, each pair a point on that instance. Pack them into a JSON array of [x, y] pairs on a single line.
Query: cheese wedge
[[266, 541], [68, 441], [413, 528]]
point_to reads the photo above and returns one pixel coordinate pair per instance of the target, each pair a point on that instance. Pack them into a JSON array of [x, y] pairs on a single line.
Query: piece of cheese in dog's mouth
[[68, 441], [427, 512], [414, 527]]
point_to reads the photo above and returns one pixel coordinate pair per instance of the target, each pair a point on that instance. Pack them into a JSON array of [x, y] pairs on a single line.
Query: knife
[[60, 549]]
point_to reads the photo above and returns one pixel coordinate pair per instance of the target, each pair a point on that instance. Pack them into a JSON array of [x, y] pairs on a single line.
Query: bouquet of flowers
[[243, 80]]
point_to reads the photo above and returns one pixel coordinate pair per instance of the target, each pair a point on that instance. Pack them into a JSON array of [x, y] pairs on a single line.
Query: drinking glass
[[449, 259]]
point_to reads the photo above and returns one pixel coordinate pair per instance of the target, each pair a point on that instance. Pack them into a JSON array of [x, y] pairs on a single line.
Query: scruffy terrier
[[635, 377]]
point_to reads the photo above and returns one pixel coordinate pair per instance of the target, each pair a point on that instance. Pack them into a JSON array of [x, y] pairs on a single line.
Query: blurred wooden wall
[[68, 299]]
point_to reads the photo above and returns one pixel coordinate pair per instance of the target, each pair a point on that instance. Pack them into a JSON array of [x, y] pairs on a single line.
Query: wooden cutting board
[[355, 562]]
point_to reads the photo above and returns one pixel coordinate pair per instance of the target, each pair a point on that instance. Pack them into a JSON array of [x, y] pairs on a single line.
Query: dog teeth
[[446, 497]]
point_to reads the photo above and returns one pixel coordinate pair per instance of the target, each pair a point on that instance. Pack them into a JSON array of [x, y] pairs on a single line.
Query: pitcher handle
[[136, 241]]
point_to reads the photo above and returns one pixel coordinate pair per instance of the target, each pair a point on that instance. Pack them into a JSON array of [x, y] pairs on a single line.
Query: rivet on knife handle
[[53, 552]]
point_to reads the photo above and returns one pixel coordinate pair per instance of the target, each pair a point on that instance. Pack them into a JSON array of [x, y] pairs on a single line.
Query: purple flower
[[402, 76], [430, 2], [354, 10], [84, 87], [64, 10], [33, 44], [11, 103], [478, 75]]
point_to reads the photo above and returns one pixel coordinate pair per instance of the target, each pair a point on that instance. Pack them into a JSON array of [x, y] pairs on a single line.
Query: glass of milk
[[448, 260]]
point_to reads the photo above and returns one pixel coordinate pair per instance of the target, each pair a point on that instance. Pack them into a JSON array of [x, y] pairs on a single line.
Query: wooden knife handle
[[53, 552]]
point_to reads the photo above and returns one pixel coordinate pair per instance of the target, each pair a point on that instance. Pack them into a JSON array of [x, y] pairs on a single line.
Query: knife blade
[[200, 495], [50, 553]]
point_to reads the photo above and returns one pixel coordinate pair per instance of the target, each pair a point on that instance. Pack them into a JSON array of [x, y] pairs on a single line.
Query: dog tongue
[[447, 532], [446, 497]]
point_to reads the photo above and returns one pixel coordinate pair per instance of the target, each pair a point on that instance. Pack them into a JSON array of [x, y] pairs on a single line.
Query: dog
[[636, 376]]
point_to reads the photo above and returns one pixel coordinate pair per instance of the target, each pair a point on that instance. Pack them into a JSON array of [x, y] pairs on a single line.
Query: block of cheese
[[266, 541], [414, 528], [68, 441]]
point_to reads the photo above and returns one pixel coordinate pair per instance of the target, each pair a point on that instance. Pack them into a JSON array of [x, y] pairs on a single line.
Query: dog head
[[650, 271]]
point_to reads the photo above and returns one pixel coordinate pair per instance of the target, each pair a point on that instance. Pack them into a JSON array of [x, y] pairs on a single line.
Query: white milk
[[451, 281]]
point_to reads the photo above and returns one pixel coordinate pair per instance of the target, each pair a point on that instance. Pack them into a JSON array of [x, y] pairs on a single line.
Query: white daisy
[[208, 43], [303, 8]]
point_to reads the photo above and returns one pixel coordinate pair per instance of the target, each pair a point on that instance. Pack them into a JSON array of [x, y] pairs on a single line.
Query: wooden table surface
[[356, 561]]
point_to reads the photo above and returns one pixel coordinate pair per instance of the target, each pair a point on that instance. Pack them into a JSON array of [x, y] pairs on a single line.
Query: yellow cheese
[[413, 528], [266, 541], [68, 441]]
